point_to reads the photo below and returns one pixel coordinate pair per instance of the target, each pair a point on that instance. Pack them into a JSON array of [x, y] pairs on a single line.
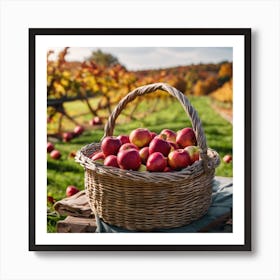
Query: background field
[[66, 171]]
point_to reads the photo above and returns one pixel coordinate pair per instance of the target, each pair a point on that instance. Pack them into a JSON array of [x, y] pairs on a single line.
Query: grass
[[66, 171]]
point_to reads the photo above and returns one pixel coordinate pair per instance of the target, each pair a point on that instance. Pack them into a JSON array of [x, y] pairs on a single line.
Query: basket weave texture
[[145, 201]]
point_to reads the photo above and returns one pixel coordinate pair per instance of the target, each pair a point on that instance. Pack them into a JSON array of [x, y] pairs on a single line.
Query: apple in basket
[[124, 139], [186, 137], [111, 160], [97, 156], [153, 135], [156, 162], [142, 168], [128, 146], [179, 159], [159, 145], [71, 190], [174, 146], [140, 137], [168, 135], [129, 159], [193, 152], [110, 145], [168, 169], [144, 154]]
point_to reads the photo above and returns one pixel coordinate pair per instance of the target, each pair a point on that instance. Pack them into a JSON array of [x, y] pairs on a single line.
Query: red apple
[[124, 138], [71, 190], [174, 146], [110, 145], [111, 160], [168, 135], [67, 136], [50, 199], [159, 145], [129, 159], [50, 147], [167, 169], [179, 159], [141, 137], [186, 137], [78, 130], [55, 154], [144, 154], [153, 135], [128, 146], [227, 158], [193, 152], [95, 121], [156, 162], [98, 155]]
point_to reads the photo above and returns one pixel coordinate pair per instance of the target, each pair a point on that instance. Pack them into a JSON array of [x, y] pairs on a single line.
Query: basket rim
[[197, 168]]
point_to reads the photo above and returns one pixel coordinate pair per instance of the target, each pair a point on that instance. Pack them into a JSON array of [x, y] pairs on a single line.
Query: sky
[[139, 58]]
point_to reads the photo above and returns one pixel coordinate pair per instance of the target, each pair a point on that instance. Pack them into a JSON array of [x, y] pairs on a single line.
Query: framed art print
[[140, 139]]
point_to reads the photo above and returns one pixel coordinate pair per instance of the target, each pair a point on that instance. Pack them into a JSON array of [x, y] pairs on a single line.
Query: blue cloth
[[221, 204]]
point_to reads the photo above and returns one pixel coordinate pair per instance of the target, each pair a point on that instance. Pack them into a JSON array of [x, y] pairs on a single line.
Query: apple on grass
[[159, 145], [72, 154], [129, 159], [193, 152], [227, 158], [140, 137], [78, 130], [55, 154], [110, 145], [186, 137], [71, 190], [50, 147], [111, 160], [50, 199], [179, 159], [95, 121], [67, 136], [156, 162]]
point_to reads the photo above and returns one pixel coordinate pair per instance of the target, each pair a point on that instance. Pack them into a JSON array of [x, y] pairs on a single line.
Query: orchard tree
[[225, 73], [104, 59]]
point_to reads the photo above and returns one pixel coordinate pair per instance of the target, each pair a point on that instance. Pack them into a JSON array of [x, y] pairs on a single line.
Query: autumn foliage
[[103, 77]]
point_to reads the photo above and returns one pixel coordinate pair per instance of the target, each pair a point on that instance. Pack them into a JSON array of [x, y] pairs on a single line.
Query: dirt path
[[224, 113]]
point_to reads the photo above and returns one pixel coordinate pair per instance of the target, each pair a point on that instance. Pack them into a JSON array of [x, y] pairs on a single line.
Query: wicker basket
[[145, 201]]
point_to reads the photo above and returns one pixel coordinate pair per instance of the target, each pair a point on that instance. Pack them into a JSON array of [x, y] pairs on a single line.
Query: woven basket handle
[[196, 123]]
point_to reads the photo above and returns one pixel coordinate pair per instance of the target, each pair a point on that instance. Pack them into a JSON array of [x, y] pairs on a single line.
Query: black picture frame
[[245, 32]]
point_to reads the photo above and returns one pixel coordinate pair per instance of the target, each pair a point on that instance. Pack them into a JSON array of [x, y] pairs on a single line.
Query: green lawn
[[66, 171]]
